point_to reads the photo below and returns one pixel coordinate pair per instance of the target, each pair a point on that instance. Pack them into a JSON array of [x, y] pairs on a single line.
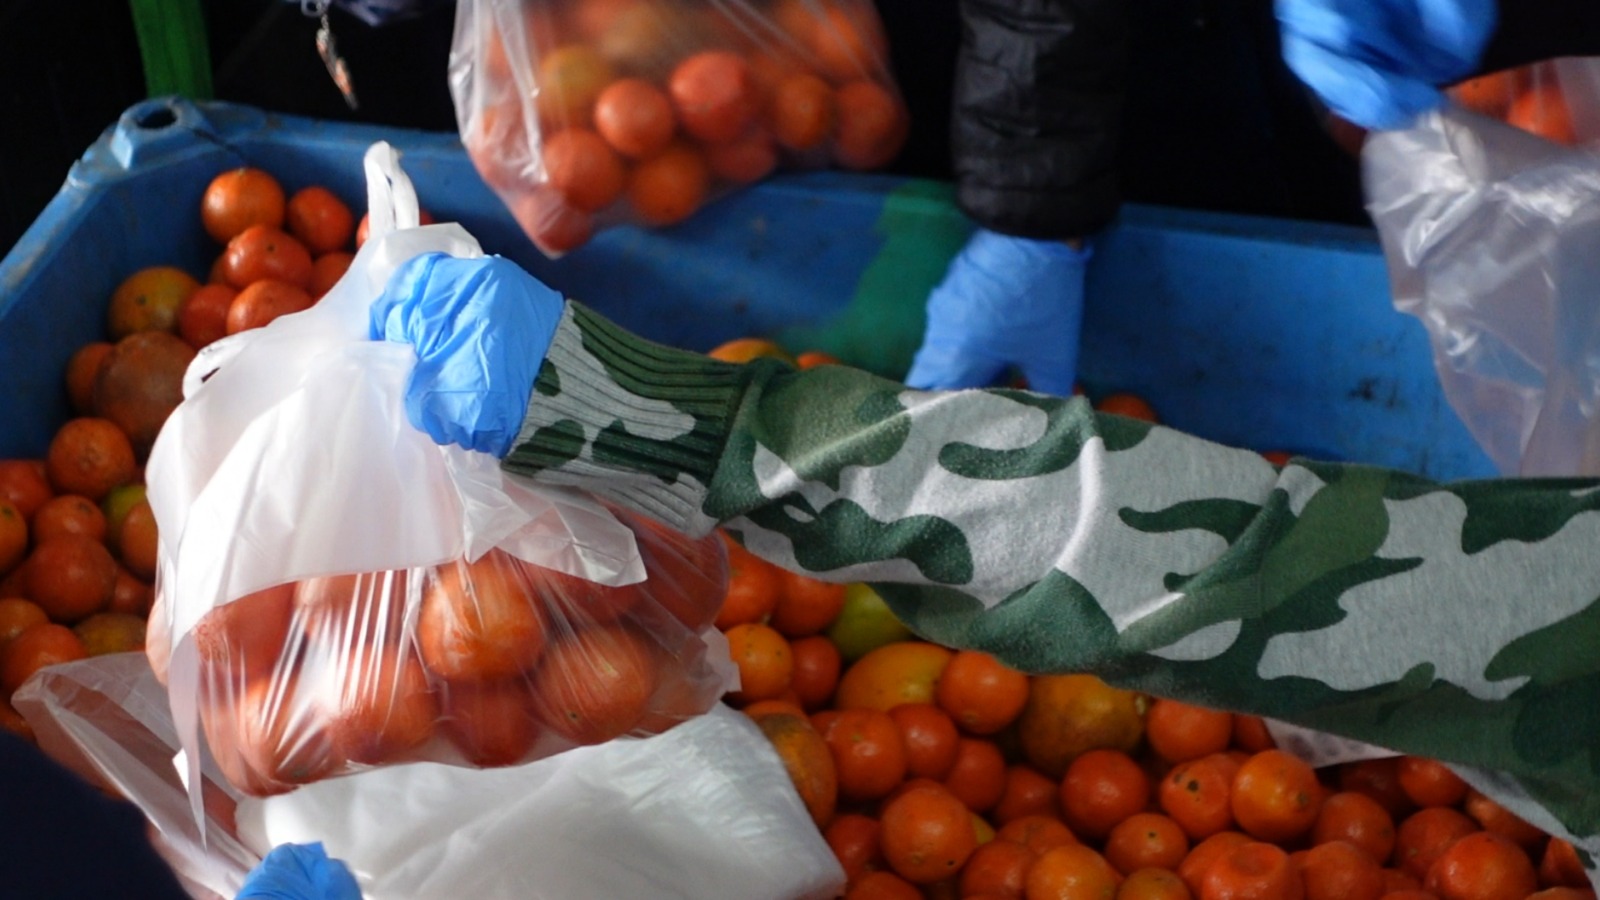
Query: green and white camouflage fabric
[[1455, 621]]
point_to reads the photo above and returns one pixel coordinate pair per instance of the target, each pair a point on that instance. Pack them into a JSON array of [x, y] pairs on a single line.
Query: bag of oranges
[[339, 592], [1558, 100], [586, 113]]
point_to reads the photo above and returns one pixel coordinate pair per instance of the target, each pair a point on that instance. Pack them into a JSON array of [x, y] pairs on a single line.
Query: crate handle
[[153, 128]]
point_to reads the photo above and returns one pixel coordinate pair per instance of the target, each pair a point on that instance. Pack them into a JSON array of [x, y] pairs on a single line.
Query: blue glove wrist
[[481, 328], [299, 872], [1379, 63], [1005, 301]]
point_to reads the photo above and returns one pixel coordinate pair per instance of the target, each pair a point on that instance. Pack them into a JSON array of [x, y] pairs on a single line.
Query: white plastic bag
[[704, 810], [315, 546], [1490, 234]]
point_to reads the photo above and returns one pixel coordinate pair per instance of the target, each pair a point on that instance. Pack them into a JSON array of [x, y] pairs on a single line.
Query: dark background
[[1215, 121]]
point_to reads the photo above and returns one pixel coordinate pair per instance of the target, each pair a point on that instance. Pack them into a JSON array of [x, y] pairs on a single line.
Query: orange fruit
[[262, 251], [140, 384], [853, 838], [131, 594], [869, 128], [137, 541], [12, 721], [478, 623], [978, 776], [381, 704], [846, 46], [148, 300], [1197, 794], [45, 644], [595, 684], [1146, 840], [1203, 855], [882, 885], [320, 220], [569, 80], [930, 739], [670, 186], [62, 514], [13, 536], [1026, 793], [1101, 788], [810, 359], [981, 693], [1067, 715], [1153, 884], [744, 349], [805, 605], [714, 94], [1256, 870], [1429, 782], [1275, 796], [1038, 832], [491, 723], [423, 218], [1071, 872], [1482, 866], [111, 632], [765, 662], [800, 111], [1424, 835], [553, 224], [25, 484], [1250, 733], [1489, 95], [203, 318], [1543, 110], [903, 672], [326, 270], [816, 670], [635, 117], [1129, 405], [1338, 870], [1378, 778], [238, 199], [753, 587], [18, 615], [82, 369], [90, 456], [1493, 817], [745, 159], [583, 168], [282, 738], [263, 301], [868, 753], [1558, 865], [865, 623], [246, 637], [927, 835], [1178, 731], [639, 38], [808, 760], [1358, 820], [997, 868], [70, 577]]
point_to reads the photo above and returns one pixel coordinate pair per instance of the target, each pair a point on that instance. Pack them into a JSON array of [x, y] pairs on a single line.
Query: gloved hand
[[1004, 301], [1379, 63], [481, 328], [299, 872]]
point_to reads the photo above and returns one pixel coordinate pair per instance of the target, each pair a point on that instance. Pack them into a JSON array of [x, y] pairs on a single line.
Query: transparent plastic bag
[[723, 817], [336, 591], [586, 113], [1489, 232]]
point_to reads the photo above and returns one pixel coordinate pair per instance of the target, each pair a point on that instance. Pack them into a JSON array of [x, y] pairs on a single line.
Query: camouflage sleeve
[[1456, 621]]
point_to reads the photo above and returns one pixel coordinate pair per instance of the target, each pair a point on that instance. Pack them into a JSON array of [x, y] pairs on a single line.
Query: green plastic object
[[173, 47]]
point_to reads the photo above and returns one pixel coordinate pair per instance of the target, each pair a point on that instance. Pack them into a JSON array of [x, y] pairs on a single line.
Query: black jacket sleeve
[[1037, 114], [1533, 30]]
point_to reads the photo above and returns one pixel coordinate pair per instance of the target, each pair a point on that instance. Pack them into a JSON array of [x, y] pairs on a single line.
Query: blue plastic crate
[[1255, 332]]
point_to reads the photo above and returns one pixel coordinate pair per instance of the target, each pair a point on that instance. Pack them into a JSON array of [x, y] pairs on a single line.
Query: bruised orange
[[807, 759], [1067, 715], [148, 300], [140, 384], [902, 672]]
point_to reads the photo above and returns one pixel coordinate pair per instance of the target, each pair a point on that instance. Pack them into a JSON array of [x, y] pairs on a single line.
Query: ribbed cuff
[[627, 419]]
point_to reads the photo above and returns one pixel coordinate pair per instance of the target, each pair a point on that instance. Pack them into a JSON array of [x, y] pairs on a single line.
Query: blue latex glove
[[481, 328], [1005, 301], [1379, 63], [299, 872]]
